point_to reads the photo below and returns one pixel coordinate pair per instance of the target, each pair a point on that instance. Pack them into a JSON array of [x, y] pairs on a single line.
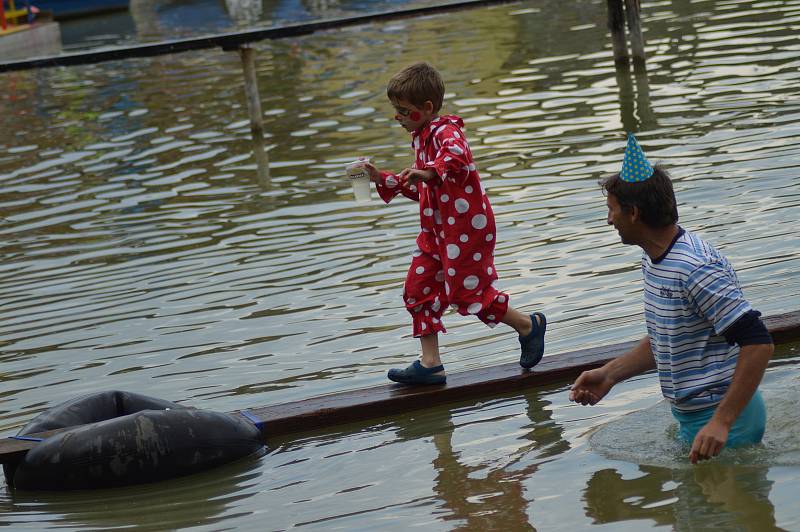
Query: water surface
[[142, 251]]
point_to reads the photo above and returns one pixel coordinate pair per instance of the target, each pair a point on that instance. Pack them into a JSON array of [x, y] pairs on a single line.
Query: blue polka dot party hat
[[635, 166]]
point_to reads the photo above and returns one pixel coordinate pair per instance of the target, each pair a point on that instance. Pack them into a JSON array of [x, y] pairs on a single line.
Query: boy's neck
[[427, 122]]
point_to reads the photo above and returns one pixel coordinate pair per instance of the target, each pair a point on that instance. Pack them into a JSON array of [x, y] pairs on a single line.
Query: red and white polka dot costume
[[454, 262]]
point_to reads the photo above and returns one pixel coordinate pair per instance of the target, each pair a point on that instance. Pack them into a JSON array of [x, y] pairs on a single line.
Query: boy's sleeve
[[714, 293], [453, 158], [391, 186]]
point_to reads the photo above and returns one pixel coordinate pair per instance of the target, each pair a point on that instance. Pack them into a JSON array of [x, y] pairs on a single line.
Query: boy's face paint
[[410, 116]]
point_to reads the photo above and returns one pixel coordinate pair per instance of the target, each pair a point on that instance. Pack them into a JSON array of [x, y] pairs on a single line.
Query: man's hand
[[709, 441], [750, 366], [593, 385], [412, 176], [590, 387]]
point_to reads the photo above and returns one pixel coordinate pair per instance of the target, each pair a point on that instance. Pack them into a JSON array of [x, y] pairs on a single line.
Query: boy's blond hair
[[417, 84]]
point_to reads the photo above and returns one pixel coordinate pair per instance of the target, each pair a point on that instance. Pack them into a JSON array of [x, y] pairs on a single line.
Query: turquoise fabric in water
[[747, 430]]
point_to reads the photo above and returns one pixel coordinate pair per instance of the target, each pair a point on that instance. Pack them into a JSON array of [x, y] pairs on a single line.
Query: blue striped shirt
[[691, 296]]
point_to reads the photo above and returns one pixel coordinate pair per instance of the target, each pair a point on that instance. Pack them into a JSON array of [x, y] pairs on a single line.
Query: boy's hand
[[374, 173], [412, 176]]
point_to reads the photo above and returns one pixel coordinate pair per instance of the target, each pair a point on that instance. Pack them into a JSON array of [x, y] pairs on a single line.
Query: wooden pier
[[392, 399]]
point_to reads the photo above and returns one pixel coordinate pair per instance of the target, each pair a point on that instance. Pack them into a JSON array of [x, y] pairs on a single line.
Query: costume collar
[[425, 132]]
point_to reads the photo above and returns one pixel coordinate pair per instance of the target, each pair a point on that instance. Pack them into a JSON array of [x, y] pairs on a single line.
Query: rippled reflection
[[141, 250]]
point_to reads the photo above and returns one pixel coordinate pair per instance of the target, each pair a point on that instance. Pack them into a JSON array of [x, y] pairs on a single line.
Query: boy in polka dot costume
[[454, 260]]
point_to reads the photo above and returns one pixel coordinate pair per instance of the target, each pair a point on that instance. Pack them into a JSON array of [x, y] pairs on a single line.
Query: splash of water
[[650, 436]]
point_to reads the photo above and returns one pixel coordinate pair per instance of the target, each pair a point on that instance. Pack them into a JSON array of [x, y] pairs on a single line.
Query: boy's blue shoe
[[532, 345], [416, 373]]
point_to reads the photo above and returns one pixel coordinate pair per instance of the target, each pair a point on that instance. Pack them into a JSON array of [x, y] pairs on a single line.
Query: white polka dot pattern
[[462, 205], [454, 262], [479, 221]]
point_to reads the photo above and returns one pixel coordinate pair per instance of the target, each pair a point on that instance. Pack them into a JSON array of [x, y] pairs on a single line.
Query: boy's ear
[[428, 106]]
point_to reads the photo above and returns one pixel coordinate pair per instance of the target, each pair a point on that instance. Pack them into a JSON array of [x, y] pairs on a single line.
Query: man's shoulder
[[694, 251], [703, 253], [706, 265]]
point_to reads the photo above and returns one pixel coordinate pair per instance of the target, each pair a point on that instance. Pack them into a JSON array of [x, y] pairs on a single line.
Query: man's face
[[410, 116], [621, 219]]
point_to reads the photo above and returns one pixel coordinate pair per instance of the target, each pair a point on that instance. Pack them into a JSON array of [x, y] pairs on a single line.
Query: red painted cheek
[[414, 116]]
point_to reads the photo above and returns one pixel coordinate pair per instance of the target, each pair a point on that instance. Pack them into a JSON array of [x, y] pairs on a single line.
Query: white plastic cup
[[359, 177]]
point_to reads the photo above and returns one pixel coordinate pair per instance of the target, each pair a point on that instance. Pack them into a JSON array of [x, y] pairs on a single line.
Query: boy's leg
[[424, 295], [531, 331], [519, 322], [425, 300], [491, 307], [426, 370], [530, 328], [430, 351]]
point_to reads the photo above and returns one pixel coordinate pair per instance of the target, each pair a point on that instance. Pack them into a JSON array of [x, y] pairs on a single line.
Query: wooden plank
[[14, 448], [232, 41], [390, 399], [784, 328]]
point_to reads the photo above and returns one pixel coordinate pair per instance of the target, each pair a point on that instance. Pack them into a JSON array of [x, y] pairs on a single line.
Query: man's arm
[[593, 385], [750, 367]]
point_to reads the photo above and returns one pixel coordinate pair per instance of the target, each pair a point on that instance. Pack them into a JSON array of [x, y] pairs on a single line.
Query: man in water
[[708, 344]]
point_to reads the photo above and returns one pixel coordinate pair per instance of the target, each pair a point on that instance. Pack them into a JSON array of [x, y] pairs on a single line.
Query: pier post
[[616, 24], [644, 107], [633, 13], [627, 108], [254, 109]]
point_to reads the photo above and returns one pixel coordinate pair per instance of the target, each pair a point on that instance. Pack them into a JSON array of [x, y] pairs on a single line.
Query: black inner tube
[[121, 438]]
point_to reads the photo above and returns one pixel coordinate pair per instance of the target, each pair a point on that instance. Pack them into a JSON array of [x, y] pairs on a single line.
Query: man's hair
[[654, 197], [416, 84]]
